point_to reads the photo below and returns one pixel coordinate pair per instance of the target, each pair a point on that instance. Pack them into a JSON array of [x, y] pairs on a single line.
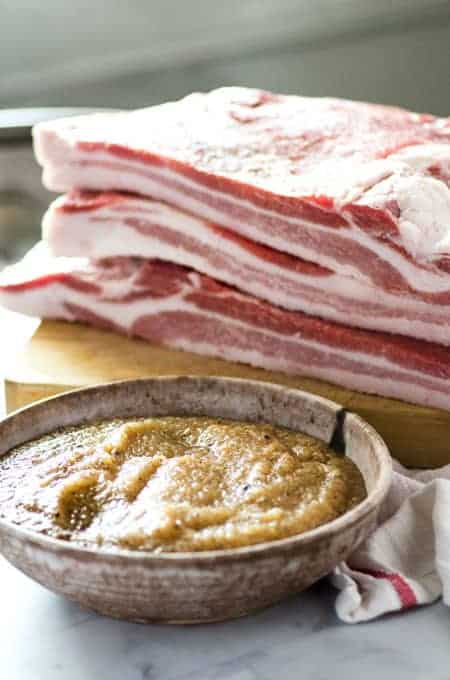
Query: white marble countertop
[[45, 637]]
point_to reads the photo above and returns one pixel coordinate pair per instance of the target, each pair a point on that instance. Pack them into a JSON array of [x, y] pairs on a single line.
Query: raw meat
[[358, 188], [174, 306], [113, 224]]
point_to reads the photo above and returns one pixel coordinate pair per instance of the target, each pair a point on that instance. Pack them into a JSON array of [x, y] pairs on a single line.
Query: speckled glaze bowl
[[206, 586]]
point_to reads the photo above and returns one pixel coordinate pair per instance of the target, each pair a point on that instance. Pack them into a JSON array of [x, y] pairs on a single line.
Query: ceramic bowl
[[205, 586]]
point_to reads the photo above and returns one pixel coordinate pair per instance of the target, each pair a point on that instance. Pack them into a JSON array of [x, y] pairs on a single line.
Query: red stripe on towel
[[402, 588]]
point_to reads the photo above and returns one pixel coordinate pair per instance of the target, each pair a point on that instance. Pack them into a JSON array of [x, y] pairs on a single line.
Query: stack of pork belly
[[310, 236]]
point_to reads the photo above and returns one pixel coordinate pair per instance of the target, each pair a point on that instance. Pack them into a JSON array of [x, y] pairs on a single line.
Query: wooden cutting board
[[61, 356]]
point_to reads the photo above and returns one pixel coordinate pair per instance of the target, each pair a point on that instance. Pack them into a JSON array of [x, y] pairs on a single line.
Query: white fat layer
[[102, 172], [424, 222], [422, 156], [172, 129], [104, 233]]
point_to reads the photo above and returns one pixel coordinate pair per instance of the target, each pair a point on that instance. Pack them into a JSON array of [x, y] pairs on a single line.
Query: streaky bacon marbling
[[360, 189], [171, 305], [99, 225]]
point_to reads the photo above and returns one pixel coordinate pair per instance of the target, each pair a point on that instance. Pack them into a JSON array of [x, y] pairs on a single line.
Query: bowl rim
[[322, 532]]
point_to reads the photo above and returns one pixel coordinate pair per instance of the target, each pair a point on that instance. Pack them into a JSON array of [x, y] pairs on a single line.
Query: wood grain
[[61, 356]]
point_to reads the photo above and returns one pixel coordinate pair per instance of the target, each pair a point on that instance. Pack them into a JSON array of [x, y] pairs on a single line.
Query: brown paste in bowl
[[175, 484]]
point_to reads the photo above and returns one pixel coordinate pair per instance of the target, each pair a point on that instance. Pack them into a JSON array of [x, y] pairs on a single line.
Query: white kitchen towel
[[406, 561]]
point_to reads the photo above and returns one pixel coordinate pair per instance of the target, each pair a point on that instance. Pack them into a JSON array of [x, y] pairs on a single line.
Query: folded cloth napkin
[[406, 561]]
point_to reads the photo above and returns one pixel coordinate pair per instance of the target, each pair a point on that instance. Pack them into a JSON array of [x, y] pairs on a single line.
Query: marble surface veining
[[44, 637]]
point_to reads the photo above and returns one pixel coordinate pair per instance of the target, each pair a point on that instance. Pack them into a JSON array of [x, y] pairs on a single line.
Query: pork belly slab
[[360, 189], [175, 306], [116, 224]]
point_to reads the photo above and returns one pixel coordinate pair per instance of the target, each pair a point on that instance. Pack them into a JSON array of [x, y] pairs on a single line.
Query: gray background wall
[[131, 53]]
